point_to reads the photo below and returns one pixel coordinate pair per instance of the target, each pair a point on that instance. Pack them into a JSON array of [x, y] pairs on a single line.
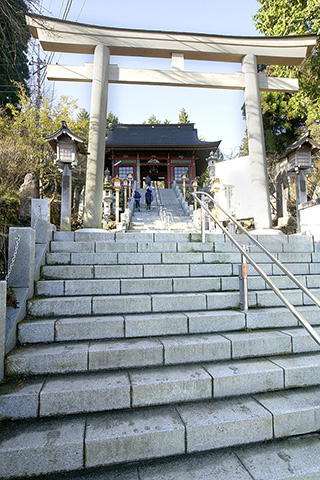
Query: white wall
[[310, 221], [237, 172]]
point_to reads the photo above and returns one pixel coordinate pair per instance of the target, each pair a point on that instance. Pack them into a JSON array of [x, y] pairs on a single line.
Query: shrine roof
[[162, 136]]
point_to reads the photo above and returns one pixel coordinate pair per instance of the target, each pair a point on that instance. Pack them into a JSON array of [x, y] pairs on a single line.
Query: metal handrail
[[276, 290]]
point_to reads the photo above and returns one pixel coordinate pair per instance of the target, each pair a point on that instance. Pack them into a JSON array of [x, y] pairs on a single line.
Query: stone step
[[155, 351], [130, 247], [168, 270], [156, 303], [174, 257], [137, 271], [103, 327], [54, 288], [107, 236], [84, 235], [274, 460], [174, 246], [101, 439], [127, 389], [131, 326]]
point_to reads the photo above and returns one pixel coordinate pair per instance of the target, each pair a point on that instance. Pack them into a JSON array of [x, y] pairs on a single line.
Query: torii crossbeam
[[71, 37]]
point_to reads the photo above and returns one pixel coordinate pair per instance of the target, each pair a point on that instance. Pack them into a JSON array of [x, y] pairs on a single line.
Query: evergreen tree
[[183, 116], [111, 120], [23, 148], [14, 36], [152, 120], [286, 114]]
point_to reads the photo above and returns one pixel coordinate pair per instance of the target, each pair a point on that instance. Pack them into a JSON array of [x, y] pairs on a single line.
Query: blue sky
[[216, 113]]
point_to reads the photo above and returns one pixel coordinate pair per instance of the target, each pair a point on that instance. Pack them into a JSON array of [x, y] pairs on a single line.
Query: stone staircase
[[135, 363], [150, 221]]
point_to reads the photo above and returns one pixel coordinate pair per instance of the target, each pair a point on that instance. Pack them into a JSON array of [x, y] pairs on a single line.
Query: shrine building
[[164, 152]]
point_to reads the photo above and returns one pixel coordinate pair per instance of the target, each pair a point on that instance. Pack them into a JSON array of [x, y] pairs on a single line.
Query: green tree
[[152, 120], [285, 114], [23, 148], [111, 120], [14, 36], [183, 116], [244, 147]]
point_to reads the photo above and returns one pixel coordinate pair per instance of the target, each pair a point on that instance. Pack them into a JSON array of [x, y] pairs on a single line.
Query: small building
[[164, 152]]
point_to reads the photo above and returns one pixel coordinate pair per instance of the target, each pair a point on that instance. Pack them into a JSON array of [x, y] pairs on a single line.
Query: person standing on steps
[[137, 197], [148, 198], [148, 181]]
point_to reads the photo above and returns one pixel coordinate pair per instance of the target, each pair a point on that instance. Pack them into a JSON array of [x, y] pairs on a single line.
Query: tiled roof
[[171, 135]]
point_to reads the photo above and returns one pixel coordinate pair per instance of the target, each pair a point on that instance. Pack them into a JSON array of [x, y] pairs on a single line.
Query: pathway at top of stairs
[[135, 363], [146, 221]]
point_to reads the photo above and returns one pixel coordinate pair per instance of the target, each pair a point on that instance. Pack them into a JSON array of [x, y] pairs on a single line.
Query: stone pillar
[[97, 137], [3, 301], [76, 201], [65, 216], [28, 190], [138, 172], [81, 204], [258, 166], [279, 196], [301, 194], [22, 273], [40, 220]]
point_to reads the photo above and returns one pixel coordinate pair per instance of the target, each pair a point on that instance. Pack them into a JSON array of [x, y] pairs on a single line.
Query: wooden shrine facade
[[164, 152]]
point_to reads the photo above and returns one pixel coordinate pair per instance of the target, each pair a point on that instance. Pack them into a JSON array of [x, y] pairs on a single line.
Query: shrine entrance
[[157, 173], [63, 36]]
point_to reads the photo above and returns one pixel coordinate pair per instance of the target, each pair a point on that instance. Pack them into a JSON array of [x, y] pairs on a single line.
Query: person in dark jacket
[[148, 197], [137, 197]]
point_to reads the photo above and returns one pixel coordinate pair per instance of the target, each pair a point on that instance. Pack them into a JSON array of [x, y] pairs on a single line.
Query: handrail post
[[243, 283], [203, 223]]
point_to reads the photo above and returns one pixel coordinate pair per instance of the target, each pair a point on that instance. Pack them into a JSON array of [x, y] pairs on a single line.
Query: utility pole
[[38, 88], [39, 64]]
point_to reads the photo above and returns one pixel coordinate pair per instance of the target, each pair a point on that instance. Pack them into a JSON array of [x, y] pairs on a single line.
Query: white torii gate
[[70, 37]]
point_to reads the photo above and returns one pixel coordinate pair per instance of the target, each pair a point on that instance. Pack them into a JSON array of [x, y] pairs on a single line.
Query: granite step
[[169, 270], [87, 356], [173, 246], [128, 389], [54, 288], [113, 438], [175, 257], [103, 327], [157, 303], [130, 247]]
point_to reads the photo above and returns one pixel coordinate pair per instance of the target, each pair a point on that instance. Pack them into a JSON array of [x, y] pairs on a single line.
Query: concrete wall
[[237, 172], [310, 218]]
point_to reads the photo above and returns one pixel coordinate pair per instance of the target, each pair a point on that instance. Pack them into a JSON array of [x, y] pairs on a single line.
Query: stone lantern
[[117, 186], [211, 161], [184, 178], [130, 178], [125, 186], [195, 184], [107, 196], [67, 145], [299, 164]]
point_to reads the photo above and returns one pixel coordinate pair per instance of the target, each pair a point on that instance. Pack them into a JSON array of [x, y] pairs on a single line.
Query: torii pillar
[[257, 153], [97, 135]]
